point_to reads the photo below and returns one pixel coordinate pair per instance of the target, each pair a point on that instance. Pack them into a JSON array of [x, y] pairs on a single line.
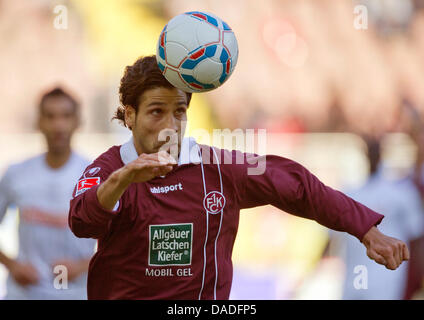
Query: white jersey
[[401, 204], [42, 195]]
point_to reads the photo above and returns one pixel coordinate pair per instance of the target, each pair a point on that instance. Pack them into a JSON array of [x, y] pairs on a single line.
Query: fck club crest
[[214, 202]]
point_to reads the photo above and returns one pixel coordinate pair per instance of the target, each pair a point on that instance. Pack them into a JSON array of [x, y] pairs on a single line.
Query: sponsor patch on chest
[[170, 244]]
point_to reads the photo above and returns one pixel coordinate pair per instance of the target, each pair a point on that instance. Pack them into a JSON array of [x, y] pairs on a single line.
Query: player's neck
[[56, 160]]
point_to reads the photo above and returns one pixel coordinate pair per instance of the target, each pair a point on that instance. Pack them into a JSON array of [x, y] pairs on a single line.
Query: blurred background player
[[41, 187], [401, 203], [415, 129]]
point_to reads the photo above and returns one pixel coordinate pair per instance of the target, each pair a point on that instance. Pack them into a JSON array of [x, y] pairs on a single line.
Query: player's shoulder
[[80, 158], [234, 158], [110, 159], [214, 155], [235, 163], [406, 189], [378, 186], [26, 164]]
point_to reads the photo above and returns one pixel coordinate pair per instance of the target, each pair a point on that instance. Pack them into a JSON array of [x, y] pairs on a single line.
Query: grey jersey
[[42, 196], [401, 204]]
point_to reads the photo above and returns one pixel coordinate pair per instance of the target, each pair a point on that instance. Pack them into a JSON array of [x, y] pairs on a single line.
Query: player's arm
[[5, 260], [292, 188], [92, 211], [74, 267], [5, 197], [23, 273], [144, 168]]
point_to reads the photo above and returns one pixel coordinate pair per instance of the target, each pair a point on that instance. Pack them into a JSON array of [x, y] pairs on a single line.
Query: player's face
[[58, 120], [160, 121]]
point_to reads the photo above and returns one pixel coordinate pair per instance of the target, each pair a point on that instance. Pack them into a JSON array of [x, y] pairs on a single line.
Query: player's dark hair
[[57, 92], [143, 75], [373, 153]]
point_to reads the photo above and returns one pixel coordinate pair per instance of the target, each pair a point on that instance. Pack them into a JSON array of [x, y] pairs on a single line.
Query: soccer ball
[[197, 51]]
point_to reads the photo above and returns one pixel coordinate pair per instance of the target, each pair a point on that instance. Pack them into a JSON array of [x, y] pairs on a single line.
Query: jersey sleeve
[[290, 187], [5, 194], [87, 218]]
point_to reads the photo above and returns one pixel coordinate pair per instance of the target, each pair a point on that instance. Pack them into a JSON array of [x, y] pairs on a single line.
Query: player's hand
[[148, 166], [23, 273], [385, 250], [144, 168], [74, 268]]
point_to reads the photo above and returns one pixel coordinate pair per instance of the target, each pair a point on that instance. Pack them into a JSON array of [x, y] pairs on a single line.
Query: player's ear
[[78, 119], [130, 115], [38, 122]]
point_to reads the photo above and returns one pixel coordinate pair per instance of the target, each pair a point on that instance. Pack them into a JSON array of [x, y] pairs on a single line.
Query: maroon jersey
[[172, 237]]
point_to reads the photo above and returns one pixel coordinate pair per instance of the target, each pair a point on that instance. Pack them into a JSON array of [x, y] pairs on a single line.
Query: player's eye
[[181, 110], [156, 112], [180, 113], [48, 116]]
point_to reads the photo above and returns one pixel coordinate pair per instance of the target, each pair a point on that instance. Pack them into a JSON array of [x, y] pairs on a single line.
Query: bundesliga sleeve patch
[[86, 184]]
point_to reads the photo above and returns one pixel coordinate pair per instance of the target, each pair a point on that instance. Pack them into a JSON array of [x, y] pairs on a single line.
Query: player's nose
[[168, 135], [171, 123]]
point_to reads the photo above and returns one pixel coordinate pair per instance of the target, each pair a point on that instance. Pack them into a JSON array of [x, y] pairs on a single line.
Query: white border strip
[[207, 227], [220, 224]]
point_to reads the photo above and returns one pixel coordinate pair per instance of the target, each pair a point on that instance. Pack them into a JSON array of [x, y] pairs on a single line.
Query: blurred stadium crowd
[[303, 68]]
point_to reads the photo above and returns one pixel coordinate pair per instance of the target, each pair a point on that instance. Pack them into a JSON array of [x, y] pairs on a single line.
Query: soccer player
[[41, 187], [166, 221], [404, 219]]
